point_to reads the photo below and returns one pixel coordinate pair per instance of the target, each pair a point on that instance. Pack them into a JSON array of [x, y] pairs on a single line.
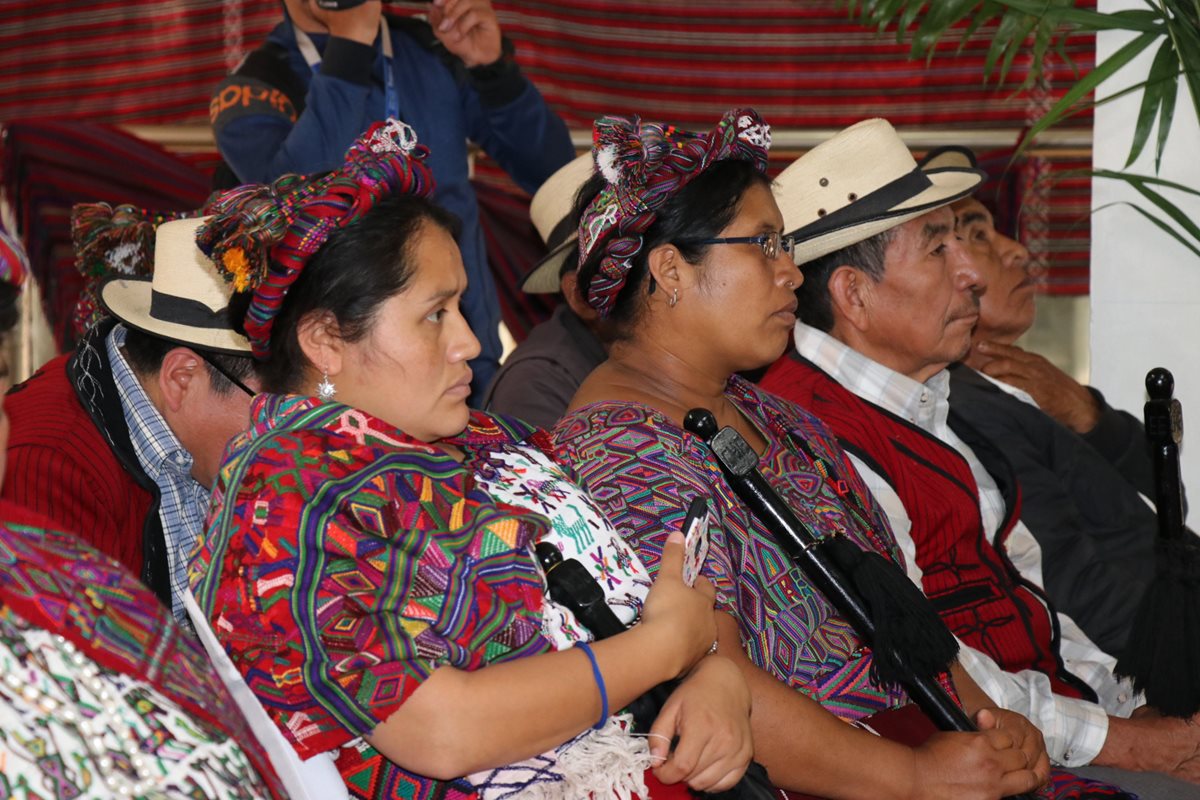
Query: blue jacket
[[262, 137]]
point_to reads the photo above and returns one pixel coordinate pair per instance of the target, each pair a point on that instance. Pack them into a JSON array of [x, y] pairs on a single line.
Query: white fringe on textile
[[605, 764]]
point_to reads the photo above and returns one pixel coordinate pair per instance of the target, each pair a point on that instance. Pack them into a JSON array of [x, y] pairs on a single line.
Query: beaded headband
[[647, 163], [14, 263], [261, 237]]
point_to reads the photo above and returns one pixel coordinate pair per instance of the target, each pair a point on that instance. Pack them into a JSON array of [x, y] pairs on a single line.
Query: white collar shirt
[[1074, 730]]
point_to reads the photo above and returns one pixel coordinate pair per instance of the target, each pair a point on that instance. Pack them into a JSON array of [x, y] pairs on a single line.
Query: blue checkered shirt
[[183, 500]]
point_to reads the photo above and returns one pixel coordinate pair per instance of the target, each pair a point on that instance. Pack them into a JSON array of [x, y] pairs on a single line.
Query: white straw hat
[[861, 182], [186, 300], [550, 211], [951, 155]]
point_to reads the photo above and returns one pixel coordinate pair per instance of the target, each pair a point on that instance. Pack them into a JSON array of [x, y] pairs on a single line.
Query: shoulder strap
[[269, 64], [265, 74]]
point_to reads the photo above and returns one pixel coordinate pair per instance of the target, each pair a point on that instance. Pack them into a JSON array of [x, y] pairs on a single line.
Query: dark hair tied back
[[699, 210]]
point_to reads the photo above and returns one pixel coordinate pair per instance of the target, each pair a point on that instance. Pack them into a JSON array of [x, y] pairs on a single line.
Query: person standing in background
[[323, 77]]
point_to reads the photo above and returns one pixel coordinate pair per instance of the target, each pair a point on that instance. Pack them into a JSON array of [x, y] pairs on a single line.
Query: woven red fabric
[[60, 465], [802, 65]]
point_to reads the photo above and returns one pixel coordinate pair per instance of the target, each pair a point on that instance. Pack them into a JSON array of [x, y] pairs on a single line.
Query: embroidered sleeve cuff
[[500, 82], [348, 60]]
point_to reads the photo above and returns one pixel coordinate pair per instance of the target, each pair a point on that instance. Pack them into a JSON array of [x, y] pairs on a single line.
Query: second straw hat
[[550, 211]]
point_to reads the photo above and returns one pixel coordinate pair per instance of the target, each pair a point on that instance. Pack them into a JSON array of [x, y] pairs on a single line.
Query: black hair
[[700, 210], [145, 353], [10, 309], [357, 270], [813, 295]]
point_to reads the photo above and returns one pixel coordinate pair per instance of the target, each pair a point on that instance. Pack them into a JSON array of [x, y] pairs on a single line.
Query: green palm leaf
[[1176, 235], [1162, 81]]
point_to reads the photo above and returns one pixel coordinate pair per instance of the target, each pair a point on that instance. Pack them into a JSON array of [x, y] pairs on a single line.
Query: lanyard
[[392, 97]]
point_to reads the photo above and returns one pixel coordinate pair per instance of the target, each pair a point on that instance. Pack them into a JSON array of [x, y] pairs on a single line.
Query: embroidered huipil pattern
[[344, 562], [643, 471]]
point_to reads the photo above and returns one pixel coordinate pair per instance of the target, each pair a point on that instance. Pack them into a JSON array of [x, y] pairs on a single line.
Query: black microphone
[[570, 584], [739, 462]]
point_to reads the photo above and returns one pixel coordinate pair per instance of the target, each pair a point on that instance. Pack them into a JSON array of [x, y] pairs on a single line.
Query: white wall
[[1145, 285]]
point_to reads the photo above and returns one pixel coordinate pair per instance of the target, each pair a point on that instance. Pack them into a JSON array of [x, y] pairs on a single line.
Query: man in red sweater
[[121, 440]]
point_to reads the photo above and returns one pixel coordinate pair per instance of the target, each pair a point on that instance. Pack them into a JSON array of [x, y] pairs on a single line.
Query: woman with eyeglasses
[[681, 250]]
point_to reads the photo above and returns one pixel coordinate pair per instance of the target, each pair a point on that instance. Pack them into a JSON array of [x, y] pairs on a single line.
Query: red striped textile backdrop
[[802, 63]]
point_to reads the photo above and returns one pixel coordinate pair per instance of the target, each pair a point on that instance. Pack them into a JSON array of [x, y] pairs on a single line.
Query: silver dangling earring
[[674, 298], [325, 389]]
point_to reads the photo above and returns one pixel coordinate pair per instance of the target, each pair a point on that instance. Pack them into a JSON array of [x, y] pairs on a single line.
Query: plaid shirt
[[183, 500], [1074, 730]]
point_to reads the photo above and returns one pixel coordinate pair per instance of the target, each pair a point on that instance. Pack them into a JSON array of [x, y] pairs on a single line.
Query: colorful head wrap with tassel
[[14, 263], [647, 163], [111, 240], [261, 237]]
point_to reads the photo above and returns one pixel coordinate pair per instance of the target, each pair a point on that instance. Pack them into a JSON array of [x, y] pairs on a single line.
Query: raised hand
[[468, 29], [710, 713], [1056, 392]]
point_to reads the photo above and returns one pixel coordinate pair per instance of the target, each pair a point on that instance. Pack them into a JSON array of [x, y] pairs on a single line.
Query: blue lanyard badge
[[391, 96]]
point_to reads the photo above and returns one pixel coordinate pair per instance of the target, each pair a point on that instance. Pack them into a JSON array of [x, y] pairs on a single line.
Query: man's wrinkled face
[[924, 308], [1008, 308]]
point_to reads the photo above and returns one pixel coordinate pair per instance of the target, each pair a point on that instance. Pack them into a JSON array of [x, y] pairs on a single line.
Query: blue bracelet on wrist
[[587, 649]]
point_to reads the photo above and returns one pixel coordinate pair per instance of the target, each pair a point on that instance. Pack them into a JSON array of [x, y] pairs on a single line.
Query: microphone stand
[[739, 463]]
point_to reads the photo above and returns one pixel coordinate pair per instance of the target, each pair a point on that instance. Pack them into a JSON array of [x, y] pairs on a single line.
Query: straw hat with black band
[[859, 183], [550, 211], [185, 300]]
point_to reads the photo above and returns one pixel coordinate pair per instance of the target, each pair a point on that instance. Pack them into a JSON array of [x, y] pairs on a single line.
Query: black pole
[[1162, 654], [571, 584], [740, 464], [1164, 432]]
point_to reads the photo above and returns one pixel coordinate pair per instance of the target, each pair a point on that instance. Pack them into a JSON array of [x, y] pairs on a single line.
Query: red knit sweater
[[972, 585], [60, 465]]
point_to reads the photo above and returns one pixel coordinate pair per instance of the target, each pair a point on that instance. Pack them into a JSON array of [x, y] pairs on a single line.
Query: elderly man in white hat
[[539, 378], [122, 439], [890, 299], [1084, 467]]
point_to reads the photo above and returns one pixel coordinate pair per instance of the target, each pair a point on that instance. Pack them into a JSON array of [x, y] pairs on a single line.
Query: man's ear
[[320, 338], [179, 374], [850, 294]]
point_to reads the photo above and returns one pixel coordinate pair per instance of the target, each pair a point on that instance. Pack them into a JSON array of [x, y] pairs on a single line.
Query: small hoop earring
[[325, 389], [674, 298], [790, 284]]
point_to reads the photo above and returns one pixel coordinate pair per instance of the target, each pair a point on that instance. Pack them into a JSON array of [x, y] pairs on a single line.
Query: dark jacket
[[70, 459], [1081, 504], [539, 378], [264, 135]]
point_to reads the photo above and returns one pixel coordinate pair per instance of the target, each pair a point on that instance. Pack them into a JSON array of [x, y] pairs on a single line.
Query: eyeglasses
[[212, 362], [772, 244]]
